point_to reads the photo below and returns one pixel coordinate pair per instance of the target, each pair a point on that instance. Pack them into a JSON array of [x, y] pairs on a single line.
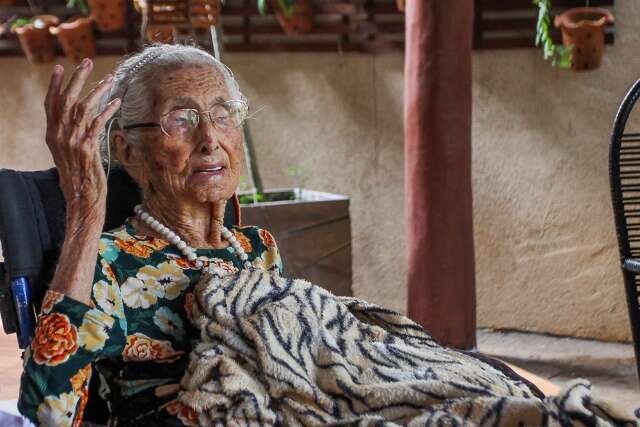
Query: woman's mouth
[[209, 171]]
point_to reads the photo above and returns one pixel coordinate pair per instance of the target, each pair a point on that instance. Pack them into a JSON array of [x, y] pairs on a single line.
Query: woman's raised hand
[[73, 130]]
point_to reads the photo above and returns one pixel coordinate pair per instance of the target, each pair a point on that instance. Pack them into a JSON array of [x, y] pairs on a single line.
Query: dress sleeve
[[70, 337]]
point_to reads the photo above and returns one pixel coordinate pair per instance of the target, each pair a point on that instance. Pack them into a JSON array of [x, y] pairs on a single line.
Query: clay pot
[[204, 13], [36, 42], [76, 38], [159, 33], [301, 20], [109, 15], [401, 5], [583, 28]]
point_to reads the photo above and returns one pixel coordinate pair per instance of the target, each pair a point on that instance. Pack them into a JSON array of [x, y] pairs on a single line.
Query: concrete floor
[[610, 367]]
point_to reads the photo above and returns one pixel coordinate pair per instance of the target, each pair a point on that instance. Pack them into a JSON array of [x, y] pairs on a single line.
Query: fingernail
[[108, 78], [85, 62], [115, 101], [57, 69]]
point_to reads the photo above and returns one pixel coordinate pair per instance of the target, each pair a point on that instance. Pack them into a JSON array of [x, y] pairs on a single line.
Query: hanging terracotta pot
[[37, 44], [109, 15], [401, 5], [166, 12], [76, 38], [159, 33], [301, 20], [583, 28], [204, 13]]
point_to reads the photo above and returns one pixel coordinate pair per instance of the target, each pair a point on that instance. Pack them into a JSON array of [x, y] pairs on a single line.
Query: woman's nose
[[209, 144]]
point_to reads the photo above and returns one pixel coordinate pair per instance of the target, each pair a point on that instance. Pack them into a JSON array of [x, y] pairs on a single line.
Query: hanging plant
[[294, 16], [559, 55]]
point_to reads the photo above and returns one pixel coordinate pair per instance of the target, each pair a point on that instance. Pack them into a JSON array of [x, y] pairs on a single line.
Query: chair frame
[[624, 176]]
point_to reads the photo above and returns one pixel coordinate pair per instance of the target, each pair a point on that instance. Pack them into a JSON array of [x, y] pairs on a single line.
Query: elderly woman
[[117, 309], [120, 310]]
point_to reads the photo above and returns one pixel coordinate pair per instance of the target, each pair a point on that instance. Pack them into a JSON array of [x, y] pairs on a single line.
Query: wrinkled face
[[199, 166]]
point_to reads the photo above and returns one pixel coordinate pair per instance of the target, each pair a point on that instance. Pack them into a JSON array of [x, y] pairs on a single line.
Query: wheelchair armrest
[[631, 265], [7, 309]]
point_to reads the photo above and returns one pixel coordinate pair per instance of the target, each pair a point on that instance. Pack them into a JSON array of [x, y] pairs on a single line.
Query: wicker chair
[[624, 174]]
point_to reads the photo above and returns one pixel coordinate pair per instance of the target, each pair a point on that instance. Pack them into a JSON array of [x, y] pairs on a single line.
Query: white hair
[[134, 78]]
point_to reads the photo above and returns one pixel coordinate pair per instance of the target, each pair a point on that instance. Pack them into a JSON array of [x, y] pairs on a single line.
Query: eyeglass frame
[[199, 113]]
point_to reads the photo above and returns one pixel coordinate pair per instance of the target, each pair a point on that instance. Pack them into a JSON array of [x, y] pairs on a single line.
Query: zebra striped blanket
[[277, 351]]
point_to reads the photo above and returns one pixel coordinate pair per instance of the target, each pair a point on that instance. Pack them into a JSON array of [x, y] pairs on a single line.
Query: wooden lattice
[[339, 25]]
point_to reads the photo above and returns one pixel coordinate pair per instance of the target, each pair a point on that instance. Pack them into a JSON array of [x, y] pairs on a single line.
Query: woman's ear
[[129, 157]]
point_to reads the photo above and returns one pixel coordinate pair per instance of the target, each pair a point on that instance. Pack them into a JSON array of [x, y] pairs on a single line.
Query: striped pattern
[[277, 351]]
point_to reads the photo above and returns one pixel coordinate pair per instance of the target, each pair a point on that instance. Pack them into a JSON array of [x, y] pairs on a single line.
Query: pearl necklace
[[182, 246]]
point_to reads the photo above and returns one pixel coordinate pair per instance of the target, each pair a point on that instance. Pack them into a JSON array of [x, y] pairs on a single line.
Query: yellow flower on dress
[[142, 348], [108, 298], [137, 293], [50, 299], [93, 330], [168, 275], [244, 241], [269, 260], [57, 411]]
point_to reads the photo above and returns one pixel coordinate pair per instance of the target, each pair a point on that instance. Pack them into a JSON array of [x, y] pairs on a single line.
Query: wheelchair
[[32, 229]]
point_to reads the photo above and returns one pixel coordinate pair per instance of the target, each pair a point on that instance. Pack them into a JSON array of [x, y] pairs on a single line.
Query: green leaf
[[262, 7], [20, 22]]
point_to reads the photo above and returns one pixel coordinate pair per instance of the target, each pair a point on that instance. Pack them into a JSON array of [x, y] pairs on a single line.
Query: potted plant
[[109, 15], [582, 35], [76, 37], [583, 29], [294, 16], [35, 40], [312, 229]]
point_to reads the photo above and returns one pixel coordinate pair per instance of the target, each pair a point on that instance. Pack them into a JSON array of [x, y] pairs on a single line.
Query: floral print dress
[[132, 343]]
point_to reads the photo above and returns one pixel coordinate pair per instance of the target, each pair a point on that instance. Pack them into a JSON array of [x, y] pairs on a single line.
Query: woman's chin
[[210, 192]]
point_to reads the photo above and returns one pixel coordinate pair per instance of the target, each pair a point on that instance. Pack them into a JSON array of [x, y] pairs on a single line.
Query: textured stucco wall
[[545, 248], [545, 243], [339, 116]]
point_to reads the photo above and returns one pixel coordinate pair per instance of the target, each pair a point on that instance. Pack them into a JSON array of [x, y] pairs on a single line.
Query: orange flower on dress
[[55, 340], [134, 248], [244, 241], [80, 386], [186, 414], [142, 348], [267, 238], [50, 299], [153, 243]]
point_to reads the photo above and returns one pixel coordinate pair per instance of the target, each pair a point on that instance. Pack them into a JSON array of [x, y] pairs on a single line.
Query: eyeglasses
[[224, 116]]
